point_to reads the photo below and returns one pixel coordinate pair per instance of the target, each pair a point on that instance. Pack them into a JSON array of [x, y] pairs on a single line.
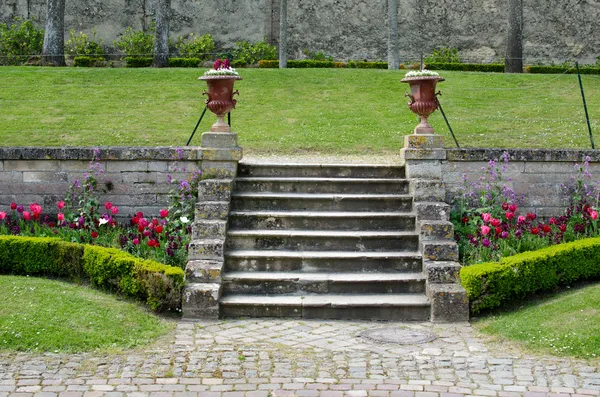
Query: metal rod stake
[[197, 124], [587, 116], [447, 122]]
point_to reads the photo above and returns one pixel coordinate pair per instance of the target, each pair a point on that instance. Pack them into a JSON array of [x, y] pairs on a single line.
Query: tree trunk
[[283, 35], [393, 61], [53, 52], [161, 37], [513, 63]]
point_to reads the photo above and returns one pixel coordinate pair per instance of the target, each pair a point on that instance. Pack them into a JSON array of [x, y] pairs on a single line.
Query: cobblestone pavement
[[271, 358]]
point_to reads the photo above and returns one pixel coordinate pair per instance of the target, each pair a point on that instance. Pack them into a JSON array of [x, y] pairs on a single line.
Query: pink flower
[[485, 230], [512, 208], [486, 216], [521, 219], [510, 215], [35, 208], [495, 222], [60, 217], [108, 205], [136, 241], [2, 215], [594, 215], [60, 205], [26, 215], [144, 222], [114, 210], [164, 213]]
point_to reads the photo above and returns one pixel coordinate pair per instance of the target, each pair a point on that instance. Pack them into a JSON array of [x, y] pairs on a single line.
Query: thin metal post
[[197, 124], [229, 119], [447, 122], [587, 116]]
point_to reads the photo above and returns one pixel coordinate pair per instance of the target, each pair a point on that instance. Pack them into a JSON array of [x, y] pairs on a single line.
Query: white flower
[[419, 73], [184, 219], [102, 221], [221, 72]]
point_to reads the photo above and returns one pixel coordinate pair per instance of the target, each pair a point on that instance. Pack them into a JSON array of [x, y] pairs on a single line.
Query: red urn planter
[[423, 99], [220, 98]]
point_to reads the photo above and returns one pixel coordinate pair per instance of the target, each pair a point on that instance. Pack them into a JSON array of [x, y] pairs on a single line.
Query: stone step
[[309, 240], [400, 307], [320, 202], [273, 283], [321, 220], [323, 261], [321, 170], [322, 185]]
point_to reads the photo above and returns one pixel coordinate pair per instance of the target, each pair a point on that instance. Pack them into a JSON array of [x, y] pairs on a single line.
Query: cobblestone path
[[271, 358]]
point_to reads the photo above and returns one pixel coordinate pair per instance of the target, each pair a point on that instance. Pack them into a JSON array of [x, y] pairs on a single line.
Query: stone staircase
[[323, 241]]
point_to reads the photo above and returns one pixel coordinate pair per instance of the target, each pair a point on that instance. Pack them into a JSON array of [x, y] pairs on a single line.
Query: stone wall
[[354, 29], [133, 178], [538, 174]]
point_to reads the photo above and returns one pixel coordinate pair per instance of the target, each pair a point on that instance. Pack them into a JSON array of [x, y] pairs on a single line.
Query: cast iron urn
[[423, 99], [220, 98]]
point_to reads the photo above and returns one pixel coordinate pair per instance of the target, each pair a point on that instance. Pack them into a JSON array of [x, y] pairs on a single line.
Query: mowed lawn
[[330, 111]]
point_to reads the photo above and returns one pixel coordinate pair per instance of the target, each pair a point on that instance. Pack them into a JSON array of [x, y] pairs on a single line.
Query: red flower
[[13, 206], [60, 205], [165, 213], [139, 215], [26, 215], [94, 234], [546, 228], [535, 230], [155, 222], [36, 215], [114, 210], [144, 222], [512, 208], [140, 228], [465, 219], [563, 228], [495, 222], [158, 229], [135, 220], [504, 206], [531, 216], [510, 215], [153, 243], [35, 208], [108, 205], [498, 230]]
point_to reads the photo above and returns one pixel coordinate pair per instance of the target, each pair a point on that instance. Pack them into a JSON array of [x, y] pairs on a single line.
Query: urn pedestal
[[220, 99], [423, 100]]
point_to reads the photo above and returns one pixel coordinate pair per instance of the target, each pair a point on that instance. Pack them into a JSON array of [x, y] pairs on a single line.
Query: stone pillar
[[422, 156], [220, 157]]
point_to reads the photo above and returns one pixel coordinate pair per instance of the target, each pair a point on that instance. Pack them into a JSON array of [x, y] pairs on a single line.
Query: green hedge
[[160, 286], [184, 62], [134, 62], [371, 65], [561, 69], [296, 64], [87, 61], [467, 67], [489, 285]]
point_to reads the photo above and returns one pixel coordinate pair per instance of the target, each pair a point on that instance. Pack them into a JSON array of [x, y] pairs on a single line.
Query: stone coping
[[472, 154], [125, 153]]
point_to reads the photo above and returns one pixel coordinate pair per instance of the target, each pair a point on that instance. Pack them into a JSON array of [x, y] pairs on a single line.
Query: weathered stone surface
[[219, 169], [215, 189], [211, 140], [435, 211], [436, 230], [449, 302], [206, 249], [201, 300], [422, 154], [212, 210], [203, 271], [210, 154], [427, 190], [442, 272], [439, 250], [423, 142], [209, 228], [424, 169]]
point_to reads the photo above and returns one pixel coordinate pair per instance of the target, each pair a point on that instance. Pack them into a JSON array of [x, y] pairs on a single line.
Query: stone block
[[442, 272], [11, 176], [234, 154], [423, 141], [146, 177], [124, 166], [211, 249], [1, 166], [158, 166], [219, 169], [215, 190], [424, 169], [219, 140], [201, 300], [427, 190], [203, 271], [449, 303], [77, 165], [436, 230], [439, 250], [31, 165], [44, 177], [204, 228], [433, 211], [212, 210], [422, 154]]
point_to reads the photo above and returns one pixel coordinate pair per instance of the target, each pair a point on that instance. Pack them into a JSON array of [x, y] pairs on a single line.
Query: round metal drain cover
[[399, 335]]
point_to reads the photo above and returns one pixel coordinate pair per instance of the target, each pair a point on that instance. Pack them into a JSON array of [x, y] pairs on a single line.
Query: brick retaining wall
[[134, 178], [537, 173]]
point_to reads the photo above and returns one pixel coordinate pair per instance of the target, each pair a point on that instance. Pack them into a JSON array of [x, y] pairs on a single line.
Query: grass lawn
[[567, 324], [332, 111], [48, 315]]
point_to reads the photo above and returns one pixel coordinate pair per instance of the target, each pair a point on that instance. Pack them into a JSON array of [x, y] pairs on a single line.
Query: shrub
[[339, 65], [137, 44], [136, 62], [158, 285], [307, 63], [561, 69], [271, 64], [81, 44], [19, 41], [489, 285], [246, 53], [317, 56], [195, 46], [467, 67], [443, 55], [184, 62], [87, 61], [371, 65]]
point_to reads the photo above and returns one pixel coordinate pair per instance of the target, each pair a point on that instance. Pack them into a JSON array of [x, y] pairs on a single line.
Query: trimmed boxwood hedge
[[489, 285], [184, 62], [160, 286], [561, 69], [135, 62], [467, 67]]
